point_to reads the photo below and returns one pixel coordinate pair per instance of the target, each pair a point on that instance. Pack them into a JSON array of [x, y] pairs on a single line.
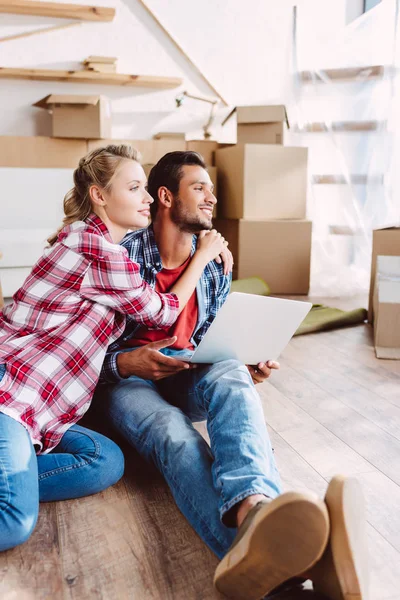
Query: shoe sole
[[342, 573], [285, 539]]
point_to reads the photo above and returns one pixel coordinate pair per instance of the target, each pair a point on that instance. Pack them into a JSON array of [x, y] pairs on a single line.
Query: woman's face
[[127, 202]]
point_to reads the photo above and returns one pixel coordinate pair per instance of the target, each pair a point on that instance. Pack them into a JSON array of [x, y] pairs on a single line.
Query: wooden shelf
[[57, 9], [91, 77], [340, 126], [348, 74], [341, 179]]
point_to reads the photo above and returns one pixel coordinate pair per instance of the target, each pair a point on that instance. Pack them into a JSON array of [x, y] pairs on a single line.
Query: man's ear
[[165, 197], [96, 196]]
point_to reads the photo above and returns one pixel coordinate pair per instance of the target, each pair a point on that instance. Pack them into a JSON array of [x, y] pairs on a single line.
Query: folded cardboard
[[260, 181], [277, 251], [385, 241], [262, 124], [386, 303], [40, 152], [175, 135], [77, 116]]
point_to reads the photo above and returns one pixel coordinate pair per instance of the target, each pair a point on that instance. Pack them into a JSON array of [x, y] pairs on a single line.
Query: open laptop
[[250, 328]]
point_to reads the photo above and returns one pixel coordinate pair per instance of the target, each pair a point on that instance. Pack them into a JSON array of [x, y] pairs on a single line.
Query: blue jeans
[[83, 463], [156, 418]]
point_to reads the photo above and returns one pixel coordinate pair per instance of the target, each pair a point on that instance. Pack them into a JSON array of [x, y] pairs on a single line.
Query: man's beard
[[186, 222]]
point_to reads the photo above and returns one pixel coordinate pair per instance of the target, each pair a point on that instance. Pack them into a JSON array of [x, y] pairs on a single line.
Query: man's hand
[[262, 371], [148, 363], [227, 258]]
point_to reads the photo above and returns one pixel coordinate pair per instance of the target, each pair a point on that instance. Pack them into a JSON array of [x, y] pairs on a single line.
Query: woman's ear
[[96, 196], [165, 196]]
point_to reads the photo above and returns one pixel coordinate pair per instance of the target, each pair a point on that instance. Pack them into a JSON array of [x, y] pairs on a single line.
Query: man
[[229, 492]]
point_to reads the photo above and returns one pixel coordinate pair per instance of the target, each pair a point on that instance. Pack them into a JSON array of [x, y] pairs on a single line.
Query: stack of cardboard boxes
[[262, 201], [384, 295]]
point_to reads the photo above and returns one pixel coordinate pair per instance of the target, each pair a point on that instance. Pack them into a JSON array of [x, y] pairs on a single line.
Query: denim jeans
[[156, 418], [83, 463]]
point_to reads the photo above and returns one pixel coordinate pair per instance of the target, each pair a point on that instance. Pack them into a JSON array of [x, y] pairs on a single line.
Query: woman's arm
[[114, 280]]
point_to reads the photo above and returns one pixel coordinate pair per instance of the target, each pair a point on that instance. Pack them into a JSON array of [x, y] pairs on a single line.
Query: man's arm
[[146, 362]]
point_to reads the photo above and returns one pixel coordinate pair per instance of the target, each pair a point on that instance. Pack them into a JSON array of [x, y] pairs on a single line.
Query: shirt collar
[[99, 226], [151, 253]]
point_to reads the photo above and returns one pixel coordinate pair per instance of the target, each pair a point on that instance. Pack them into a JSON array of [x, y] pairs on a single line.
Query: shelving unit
[[341, 127], [346, 74], [83, 76], [57, 9]]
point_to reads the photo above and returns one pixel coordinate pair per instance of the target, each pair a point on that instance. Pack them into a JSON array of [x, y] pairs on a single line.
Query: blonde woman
[[54, 335]]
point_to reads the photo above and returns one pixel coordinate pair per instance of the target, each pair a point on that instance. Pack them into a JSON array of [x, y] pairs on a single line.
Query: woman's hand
[[227, 258], [210, 244]]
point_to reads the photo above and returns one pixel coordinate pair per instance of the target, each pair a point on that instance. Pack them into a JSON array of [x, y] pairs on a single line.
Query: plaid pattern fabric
[[54, 336], [212, 291]]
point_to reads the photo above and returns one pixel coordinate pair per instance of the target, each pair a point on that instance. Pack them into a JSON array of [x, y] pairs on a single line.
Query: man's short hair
[[168, 173]]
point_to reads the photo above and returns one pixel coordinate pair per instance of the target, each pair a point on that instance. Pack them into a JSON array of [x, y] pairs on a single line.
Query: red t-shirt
[[184, 325]]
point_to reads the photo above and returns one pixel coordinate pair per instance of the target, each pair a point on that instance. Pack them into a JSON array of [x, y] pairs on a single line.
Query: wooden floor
[[333, 408]]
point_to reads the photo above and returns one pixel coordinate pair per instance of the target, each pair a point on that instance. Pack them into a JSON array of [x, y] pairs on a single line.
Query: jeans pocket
[[2, 371]]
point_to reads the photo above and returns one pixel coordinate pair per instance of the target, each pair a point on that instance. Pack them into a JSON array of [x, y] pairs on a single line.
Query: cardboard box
[[40, 152], [385, 241], [386, 304], [261, 124], [76, 116], [259, 181], [206, 148], [147, 168], [212, 171], [277, 251], [150, 150]]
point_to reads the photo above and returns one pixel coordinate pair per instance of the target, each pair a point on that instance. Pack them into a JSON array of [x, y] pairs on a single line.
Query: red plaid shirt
[[54, 336]]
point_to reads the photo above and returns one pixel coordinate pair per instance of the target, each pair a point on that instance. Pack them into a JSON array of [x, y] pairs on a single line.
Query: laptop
[[250, 328]]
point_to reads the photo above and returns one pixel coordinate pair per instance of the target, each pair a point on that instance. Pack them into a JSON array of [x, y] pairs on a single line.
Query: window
[[368, 4]]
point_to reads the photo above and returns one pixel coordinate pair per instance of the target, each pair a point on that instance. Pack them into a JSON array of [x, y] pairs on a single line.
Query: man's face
[[192, 207]]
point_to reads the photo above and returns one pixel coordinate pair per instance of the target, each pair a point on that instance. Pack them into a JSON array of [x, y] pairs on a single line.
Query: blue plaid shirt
[[212, 291]]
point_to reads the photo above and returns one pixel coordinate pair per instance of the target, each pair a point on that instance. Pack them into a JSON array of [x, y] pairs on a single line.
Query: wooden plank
[[181, 50], [340, 126], [102, 553], [354, 179], [18, 36], [172, 546], [57, 9], [36, 565], [345, 74], [85, 76], [321, 448], [322, 401]]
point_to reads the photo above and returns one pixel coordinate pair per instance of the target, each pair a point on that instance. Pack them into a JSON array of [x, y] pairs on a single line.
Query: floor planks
[[333, 408]]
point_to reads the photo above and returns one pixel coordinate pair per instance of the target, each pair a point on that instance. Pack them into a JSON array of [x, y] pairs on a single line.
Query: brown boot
[[342, 572], [279, 539]]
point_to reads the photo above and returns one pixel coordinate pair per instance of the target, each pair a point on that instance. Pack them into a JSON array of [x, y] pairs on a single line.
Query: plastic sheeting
[[354, 175]]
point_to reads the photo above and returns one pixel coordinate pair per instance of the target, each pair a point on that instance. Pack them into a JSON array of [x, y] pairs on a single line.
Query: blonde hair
[[99, 167]]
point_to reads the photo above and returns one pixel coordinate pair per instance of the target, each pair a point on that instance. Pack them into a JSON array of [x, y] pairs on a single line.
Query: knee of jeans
[[16, 528], [110, 463], [170, 436]]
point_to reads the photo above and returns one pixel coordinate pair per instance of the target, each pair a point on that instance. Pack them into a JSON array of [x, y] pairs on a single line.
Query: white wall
[[242, 47]]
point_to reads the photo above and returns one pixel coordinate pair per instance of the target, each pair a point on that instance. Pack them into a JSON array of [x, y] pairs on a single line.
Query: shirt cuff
[[110, 373]]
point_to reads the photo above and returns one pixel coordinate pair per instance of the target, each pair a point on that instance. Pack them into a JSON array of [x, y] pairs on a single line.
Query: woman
[[54, 336]]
